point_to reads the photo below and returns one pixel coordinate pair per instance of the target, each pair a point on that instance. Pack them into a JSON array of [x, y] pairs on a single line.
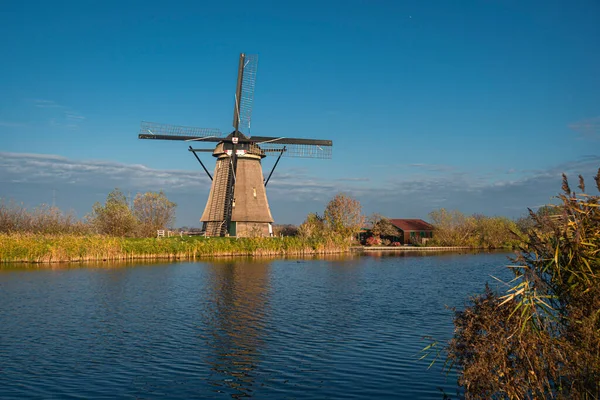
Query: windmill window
[[254, 189]]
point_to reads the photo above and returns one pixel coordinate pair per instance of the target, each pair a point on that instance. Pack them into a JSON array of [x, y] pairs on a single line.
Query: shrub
[[373, 241]]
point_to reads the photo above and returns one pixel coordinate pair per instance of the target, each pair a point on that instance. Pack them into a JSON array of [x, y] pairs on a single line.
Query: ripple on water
[[270, 329]]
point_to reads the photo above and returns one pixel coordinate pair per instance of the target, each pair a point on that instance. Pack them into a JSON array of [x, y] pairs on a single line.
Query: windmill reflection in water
[[234, 323]]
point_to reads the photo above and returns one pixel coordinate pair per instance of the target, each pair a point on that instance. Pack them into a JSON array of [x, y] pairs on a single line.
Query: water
[[280, 329]]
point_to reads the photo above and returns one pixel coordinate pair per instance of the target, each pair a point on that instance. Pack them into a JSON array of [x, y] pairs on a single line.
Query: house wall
[[417, 234], [406, 238]]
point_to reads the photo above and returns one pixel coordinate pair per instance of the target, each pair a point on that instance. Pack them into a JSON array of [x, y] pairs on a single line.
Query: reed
[[542, 338], [47, 248]]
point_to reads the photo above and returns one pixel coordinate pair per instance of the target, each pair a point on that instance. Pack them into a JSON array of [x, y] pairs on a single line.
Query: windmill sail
[[244, 94], [298, 150], [153, 130], [295, 147], [248, 84]]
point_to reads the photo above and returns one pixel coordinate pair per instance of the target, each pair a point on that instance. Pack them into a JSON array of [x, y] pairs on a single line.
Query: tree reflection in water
[[235, 319]]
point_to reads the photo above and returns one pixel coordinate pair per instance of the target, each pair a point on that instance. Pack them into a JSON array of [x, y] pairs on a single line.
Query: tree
[[343, 215], [114, 217], [382, 227], [312, 227], [452, 228], [495, 232], [542, 339], [153, 211]]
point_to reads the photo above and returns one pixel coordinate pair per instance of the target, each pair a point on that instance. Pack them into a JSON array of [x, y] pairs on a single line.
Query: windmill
[[237, 203]]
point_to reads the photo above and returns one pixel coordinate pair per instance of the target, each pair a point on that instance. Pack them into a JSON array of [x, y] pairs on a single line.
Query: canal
[[269, 329]]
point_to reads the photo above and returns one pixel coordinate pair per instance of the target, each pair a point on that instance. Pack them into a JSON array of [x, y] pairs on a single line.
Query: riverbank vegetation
[[115, 231], [453, 228], [64, 247], [541, 339], [150, 211]]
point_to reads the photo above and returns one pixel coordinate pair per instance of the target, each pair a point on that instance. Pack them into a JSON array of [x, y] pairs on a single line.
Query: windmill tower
[[237, 203]]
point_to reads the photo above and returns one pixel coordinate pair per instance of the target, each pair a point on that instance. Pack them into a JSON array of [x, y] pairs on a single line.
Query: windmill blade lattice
[[298, 150], [153, 130], [248, 85]]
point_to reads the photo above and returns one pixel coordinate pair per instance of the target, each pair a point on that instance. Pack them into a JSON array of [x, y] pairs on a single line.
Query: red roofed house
[[413, 230]]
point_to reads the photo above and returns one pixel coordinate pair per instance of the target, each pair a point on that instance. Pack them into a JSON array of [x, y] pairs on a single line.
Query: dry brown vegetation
[[43, 219], [151, 211], [542, 339]]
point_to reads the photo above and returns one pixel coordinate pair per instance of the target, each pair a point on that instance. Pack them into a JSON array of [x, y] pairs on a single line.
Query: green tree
[[542, 339], [312, 227], [114, 217], [153, 211], [343, 215]]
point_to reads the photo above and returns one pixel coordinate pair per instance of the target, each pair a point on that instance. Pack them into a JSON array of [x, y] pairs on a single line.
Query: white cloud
[[42, 168], [294, 193]]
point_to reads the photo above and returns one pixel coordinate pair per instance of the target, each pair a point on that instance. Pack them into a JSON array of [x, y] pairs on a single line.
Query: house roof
[[411, 224]]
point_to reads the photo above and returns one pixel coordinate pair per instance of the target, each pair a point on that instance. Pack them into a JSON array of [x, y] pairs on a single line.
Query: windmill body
[[237, 203], [250, 213]]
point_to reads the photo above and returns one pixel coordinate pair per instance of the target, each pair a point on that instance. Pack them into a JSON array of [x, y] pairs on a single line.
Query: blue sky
[[473, 105]]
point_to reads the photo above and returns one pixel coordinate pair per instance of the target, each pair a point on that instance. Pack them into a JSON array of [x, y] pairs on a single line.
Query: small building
[[413, 230]]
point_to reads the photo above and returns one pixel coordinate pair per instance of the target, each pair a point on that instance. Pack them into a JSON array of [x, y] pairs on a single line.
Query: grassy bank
[[68, 248]]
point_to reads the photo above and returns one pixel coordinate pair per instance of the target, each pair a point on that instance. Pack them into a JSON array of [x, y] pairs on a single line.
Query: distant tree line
[[151, 211], [453, 228], [339, 223]]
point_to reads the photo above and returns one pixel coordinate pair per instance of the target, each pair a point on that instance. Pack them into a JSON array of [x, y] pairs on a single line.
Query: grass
[[46, 248]]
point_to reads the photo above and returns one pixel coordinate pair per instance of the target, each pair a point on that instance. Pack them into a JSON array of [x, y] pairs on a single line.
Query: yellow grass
[[42, 248]]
